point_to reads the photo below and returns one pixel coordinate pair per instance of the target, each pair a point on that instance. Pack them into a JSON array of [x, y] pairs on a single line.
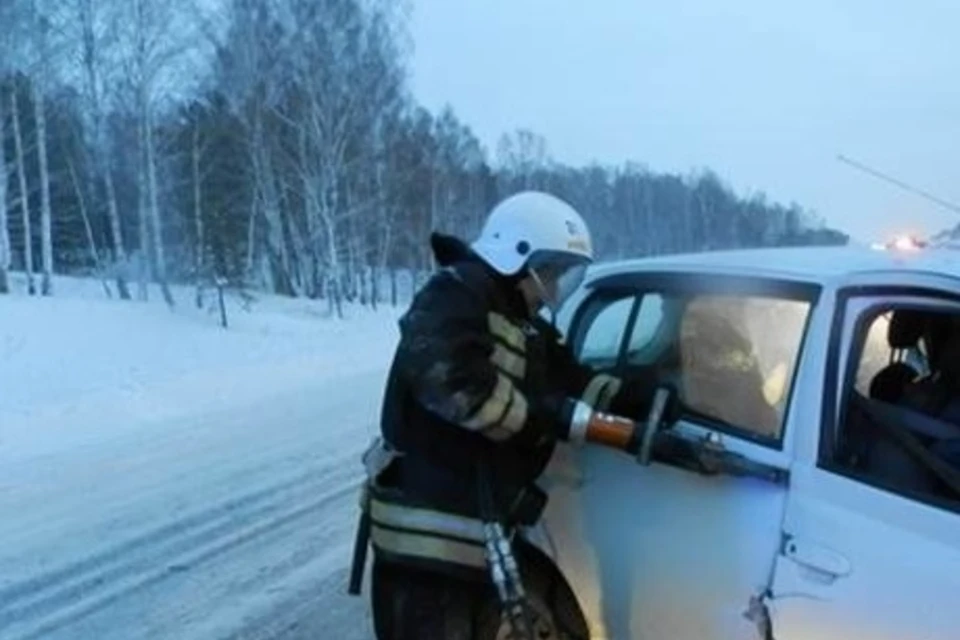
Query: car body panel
[[858, 560], [657, 551]]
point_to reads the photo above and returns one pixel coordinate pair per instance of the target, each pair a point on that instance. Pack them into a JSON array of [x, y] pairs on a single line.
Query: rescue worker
[[480, 391]]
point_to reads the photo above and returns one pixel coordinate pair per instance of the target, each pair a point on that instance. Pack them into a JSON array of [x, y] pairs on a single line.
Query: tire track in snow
[[227, 509], [45, 603]]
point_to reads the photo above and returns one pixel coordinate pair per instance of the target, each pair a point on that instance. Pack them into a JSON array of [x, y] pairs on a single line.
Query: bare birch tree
[[97, 39], [347, 76], [24, 191], [159, 39], [5, 248], [41, 70], [252, 77]]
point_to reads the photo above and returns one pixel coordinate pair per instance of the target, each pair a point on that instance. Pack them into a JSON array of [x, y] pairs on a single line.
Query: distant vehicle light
[[902, 243], [905, 243]]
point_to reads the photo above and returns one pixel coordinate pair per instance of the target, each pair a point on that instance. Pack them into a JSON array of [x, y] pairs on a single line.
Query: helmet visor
[[558, 276]]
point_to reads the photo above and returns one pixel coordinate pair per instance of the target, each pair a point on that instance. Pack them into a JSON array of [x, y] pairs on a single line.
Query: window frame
[[591, 307], [835, 403], [609, 289]]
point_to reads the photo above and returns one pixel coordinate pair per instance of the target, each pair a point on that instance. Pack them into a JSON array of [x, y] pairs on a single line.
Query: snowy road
[[232, 523]]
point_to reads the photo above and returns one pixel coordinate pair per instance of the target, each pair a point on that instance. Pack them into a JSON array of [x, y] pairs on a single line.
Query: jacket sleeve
[[445, 353]]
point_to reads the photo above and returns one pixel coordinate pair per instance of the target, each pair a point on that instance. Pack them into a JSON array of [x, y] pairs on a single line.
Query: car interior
[[705, 356], [905, 431]]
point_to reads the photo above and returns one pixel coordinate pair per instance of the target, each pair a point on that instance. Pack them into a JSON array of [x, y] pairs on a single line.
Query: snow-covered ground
[[161, 477]]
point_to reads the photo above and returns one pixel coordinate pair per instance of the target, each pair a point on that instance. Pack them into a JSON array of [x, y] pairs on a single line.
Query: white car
[[813, 498]]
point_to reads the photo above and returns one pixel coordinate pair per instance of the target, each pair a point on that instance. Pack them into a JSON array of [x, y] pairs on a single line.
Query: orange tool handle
[[612, 431]]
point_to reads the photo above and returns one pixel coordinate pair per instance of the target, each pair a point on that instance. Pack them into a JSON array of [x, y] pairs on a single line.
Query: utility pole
[[903, 185]]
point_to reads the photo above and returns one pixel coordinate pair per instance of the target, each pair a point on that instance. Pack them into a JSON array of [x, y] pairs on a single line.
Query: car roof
[[808, 264]]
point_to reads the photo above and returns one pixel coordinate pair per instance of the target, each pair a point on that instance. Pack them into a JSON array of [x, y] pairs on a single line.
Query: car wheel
[[541, 621]]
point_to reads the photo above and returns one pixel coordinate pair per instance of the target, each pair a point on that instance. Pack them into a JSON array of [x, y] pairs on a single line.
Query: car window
[[737, 358], [601, 343], [918, 393], [732, 356], [876, 352]]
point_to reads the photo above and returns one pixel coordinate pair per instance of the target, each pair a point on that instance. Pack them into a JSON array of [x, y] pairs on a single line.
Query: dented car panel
[[660, 552]]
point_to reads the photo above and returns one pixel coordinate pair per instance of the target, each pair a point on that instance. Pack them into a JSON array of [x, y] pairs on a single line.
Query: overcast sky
[[765, 93]]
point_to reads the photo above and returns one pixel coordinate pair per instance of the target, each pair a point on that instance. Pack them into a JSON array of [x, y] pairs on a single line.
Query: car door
[[871, 546], [666, 551]]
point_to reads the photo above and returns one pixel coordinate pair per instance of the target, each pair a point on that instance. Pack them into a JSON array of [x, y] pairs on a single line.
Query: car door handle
[[819, 558]]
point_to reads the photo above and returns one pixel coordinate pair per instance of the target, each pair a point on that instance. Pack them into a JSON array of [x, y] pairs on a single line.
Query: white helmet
[[542, 233]]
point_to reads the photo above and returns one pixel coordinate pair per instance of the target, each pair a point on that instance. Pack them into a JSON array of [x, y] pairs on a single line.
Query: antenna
[[903, 185]]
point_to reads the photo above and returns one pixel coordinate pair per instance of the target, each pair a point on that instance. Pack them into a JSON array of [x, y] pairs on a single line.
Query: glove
[[566, 418], [550, 417]]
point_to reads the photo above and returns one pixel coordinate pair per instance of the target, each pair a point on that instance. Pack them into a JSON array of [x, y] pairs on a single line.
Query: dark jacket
[[476, 385]]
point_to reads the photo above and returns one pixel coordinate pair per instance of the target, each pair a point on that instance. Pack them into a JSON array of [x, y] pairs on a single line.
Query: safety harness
[[501, 562]]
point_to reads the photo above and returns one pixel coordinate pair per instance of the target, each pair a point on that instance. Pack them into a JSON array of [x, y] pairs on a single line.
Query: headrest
[[906, 327]]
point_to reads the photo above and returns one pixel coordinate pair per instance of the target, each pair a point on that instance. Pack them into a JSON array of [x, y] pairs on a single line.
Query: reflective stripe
[[505, 330], [517, 415], [494, 408], [426, 520], [513, 421], [509, 362], [601, 390], [426, 546]]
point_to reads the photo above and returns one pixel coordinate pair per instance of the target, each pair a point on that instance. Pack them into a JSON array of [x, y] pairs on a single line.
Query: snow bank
[[79, 366]]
